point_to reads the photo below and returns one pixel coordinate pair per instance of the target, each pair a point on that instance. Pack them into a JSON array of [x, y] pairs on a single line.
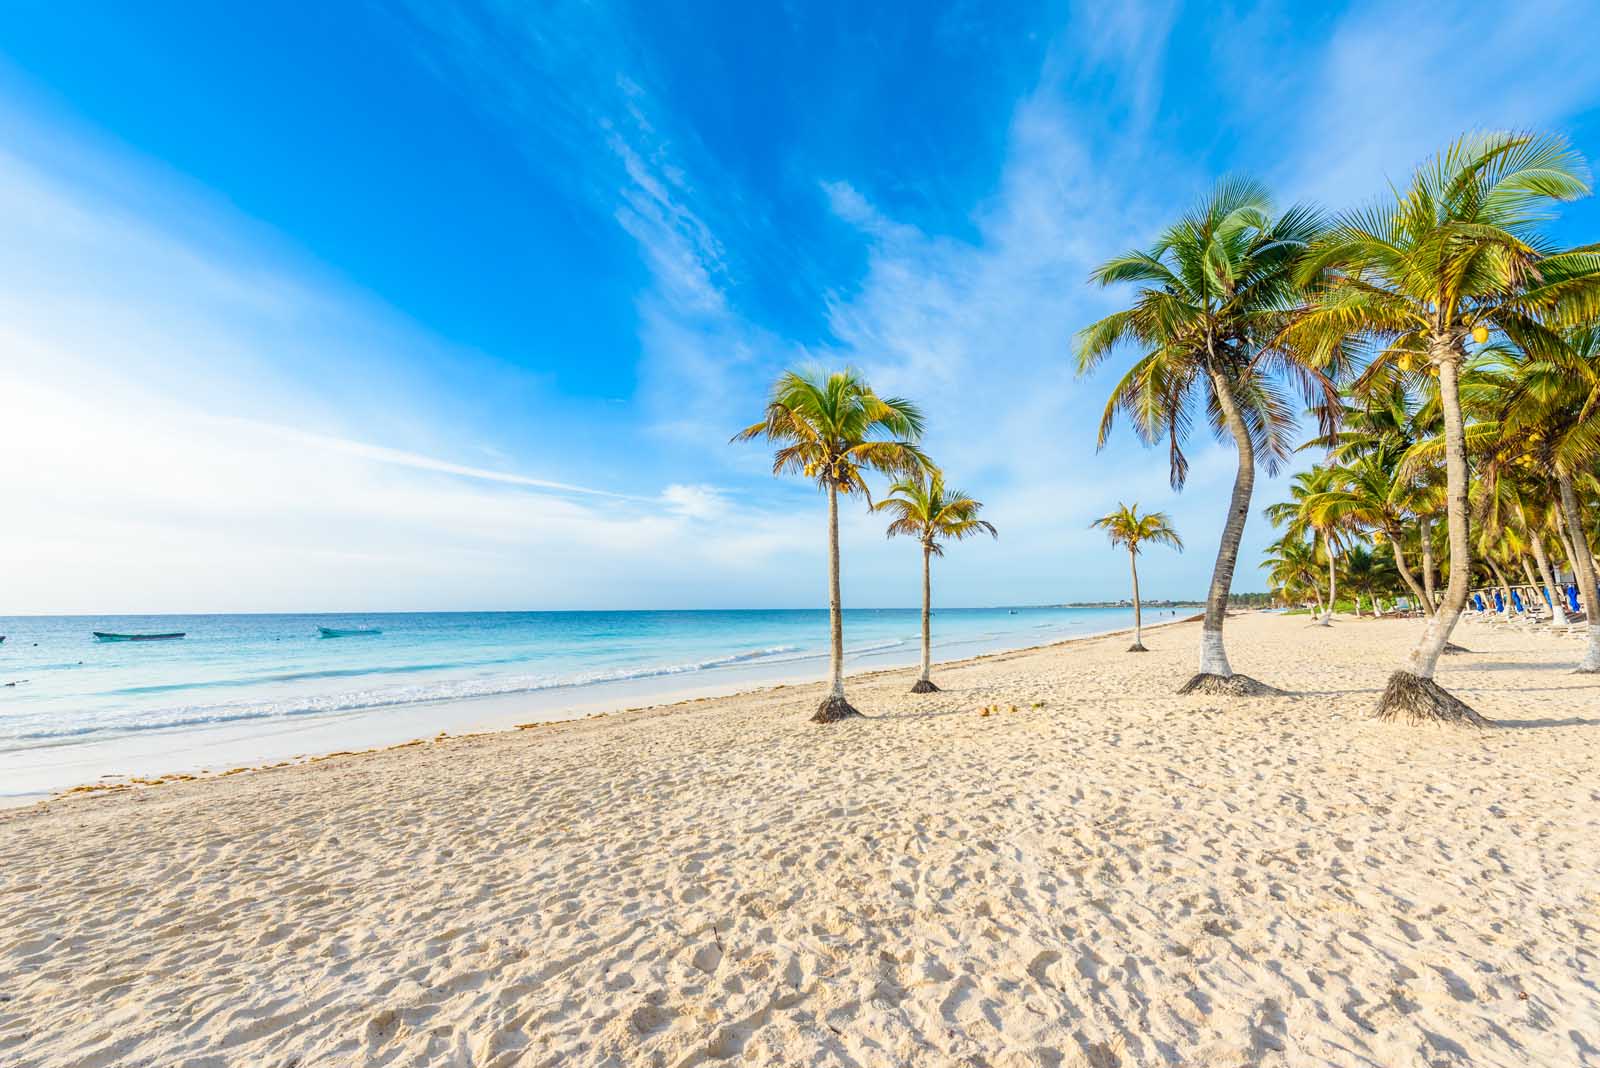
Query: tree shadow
[[1514, 665], [928, 714], [1335, 693], [1531, 724]]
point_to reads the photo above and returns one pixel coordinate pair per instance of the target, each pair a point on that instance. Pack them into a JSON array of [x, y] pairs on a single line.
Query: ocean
[[240, 689]]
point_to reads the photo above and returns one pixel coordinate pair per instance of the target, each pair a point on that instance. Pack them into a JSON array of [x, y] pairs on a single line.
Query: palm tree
[[1386, 420], [1552, 419], [1292, 568], [831, 428], [1456, 255], [1213, 295], [1367, 572], [925, 510], [1297, 519], [1127, 527], [1515, 503], [1365, 494]]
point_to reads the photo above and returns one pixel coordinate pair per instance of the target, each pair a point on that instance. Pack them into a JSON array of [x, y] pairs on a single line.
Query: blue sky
[[407, 305]]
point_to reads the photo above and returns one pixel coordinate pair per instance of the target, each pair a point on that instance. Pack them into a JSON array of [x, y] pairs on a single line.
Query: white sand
[[1121, 877]]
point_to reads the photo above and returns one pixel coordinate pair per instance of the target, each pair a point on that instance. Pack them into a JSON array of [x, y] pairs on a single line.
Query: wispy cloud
[[324, 443], [1373, 102], [196, 421]]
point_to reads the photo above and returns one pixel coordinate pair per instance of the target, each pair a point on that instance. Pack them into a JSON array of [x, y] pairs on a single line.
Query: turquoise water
[[260, 673]]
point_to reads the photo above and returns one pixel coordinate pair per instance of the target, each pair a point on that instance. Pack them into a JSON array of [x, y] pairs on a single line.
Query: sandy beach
[[1056, 861]]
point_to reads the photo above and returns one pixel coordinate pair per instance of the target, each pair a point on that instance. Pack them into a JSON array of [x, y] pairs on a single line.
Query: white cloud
[[696, 502], [194, 424], [324, 443], [1374, 102]]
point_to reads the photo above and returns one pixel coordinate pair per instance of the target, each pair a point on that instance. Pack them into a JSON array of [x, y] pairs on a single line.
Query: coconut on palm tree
[[1206, 323], [832, 428], [1126, 527], [925, 510], [1456, 256]]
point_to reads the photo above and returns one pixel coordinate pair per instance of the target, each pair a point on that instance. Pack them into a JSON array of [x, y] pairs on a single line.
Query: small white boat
[[347, 632]]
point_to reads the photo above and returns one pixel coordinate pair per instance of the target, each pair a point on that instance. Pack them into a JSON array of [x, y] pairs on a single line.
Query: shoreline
[[496, 714]]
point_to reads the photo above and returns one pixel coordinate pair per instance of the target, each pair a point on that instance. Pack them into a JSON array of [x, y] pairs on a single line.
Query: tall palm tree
[[1367, 573], [1363, 495], [1456, 255], [1386, 418], [1539, 514], [1213, 295], [1292, 568], [1297, 519], [831, 428], [1128, 528], [925, 510], [1516, 502], [1552, 417]]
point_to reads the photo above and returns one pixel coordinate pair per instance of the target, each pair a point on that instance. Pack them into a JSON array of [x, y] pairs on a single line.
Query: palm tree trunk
[[1558, 602], [1216, 674], [1530, 604], [834, 706], [1429, 605], [1533, 584], [1411, 694], [1402, 566], [1566, 538], [1583, 567], [1333, 587], [925, 684], [1505, 587], [1138, 621]]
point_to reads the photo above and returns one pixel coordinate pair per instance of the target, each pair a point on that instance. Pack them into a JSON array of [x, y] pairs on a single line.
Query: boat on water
[[107, 636], [347, 632]]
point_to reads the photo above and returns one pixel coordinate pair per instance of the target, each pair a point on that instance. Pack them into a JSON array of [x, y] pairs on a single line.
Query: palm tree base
[[1137, 647], [924, 686], [1413, 699], [833, 709], [1452, 647], [1228, 686]]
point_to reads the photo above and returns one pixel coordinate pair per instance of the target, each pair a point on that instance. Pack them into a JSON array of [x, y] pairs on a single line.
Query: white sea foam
[[382, 697]]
